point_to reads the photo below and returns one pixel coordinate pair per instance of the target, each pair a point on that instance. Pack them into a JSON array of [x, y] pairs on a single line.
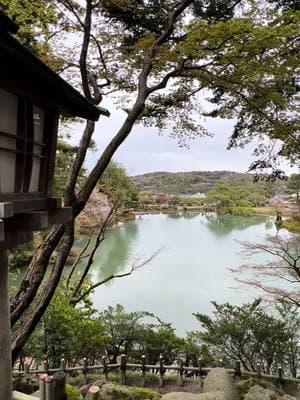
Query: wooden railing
[[47, 383]]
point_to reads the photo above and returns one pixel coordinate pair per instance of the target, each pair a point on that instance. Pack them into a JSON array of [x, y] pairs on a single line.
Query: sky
[[145, 150]]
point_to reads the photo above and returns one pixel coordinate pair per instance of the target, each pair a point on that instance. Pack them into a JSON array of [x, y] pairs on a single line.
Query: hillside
[[197, 181]]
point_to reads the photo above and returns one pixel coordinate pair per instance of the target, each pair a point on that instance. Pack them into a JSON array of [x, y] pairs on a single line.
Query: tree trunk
[[35, 274], [27, 327]]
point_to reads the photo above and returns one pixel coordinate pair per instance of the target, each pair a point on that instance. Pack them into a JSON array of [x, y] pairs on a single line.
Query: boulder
[[144, 394], [110, 391], [192, 396], [25, 384], [257, 392], [219, 380], [115, 392], [180, 396]]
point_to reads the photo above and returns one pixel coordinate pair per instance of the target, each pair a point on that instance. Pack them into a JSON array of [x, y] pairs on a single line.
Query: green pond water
[[191, 269]]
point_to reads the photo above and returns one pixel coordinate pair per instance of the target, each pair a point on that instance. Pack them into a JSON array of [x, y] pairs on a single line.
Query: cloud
[[146, 150]]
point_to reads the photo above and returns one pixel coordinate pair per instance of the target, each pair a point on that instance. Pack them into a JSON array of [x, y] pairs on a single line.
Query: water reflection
[[224, 224], [183, 214], [114, 253]]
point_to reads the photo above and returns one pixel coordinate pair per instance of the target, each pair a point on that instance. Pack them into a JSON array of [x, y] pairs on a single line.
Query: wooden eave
[[24, 74]]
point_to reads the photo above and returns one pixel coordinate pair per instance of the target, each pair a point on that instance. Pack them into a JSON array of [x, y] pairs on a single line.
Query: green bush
[[143, 394], [72, 392]]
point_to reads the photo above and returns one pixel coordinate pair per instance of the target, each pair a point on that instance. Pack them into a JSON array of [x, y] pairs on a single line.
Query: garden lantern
[[32, 97]]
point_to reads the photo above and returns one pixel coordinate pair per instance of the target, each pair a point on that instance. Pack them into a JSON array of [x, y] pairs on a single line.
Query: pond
[[190, 270]]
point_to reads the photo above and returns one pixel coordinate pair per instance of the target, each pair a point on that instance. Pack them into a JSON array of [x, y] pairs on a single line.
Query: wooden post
[[5, 335], [191, 373], [62, 364], [93, 393], [258, 370], [45, 366], [161, 371], [180, 371], [49, 388], [237, 369], [59, 385], [42, 386], [200, 371], [26, 368], [123, 369], [143, 370], [105, 368], [280, 378], [85, 371]]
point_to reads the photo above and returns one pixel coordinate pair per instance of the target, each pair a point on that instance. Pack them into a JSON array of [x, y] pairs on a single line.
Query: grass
[[286, 211], [292, 225], [269, 210]]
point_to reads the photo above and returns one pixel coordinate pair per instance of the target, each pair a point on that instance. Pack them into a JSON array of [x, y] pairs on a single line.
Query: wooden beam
[[54, 202], [50, 135], [1, 230], [60, 215], [28, 221], [6, 210], [29, 204], [37, 220], [14, 239]]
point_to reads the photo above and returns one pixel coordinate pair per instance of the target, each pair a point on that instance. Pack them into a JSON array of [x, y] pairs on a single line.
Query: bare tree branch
[[283, 267], [135, 266], [99, 240]]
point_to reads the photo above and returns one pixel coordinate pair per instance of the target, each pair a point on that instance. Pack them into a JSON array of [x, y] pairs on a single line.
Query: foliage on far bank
[[292, 225], [192, 182], [231, 199]]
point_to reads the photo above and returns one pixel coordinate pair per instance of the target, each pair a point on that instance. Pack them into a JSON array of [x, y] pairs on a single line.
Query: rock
[[180, 396], [219, 380], [115, 392], [192, 396], [25, 385], [111, 391], [257, 392], [213, 396], [144, 394]]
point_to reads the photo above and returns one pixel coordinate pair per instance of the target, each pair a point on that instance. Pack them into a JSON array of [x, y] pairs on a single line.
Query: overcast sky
[[145, 150]]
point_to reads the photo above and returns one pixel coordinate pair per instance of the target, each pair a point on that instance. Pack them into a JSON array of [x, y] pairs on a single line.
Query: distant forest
[[184, 183]]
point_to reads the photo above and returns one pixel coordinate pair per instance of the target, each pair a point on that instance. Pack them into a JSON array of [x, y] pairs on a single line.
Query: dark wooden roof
[[24, 74]]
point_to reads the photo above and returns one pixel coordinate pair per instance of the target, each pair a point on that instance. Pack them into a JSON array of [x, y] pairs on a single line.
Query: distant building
[[194, 196]]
